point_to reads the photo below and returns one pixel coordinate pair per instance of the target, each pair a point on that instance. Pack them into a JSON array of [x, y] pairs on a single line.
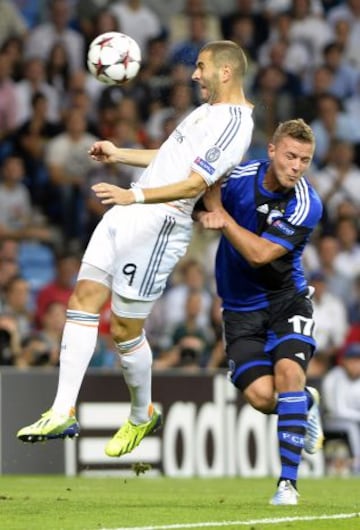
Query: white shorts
[[139, 246]]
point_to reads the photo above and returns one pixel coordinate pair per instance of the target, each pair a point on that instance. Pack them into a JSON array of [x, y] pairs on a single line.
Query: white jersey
[[139, 245], [211, 140]]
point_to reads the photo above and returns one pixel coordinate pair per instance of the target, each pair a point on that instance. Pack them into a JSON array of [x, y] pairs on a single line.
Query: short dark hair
[[297, 129]]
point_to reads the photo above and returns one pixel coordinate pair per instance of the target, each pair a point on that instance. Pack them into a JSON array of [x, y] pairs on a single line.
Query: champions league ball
[[114, 58]]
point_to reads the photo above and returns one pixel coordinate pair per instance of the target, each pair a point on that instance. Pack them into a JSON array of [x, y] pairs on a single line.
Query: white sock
[[136, 368], [77, 347]]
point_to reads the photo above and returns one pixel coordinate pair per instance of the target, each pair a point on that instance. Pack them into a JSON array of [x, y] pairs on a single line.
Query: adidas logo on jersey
[[263, 208]]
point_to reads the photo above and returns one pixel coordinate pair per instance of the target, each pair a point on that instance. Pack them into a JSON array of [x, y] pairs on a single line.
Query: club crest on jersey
[[274, 214], [212, 154], [204, 165]]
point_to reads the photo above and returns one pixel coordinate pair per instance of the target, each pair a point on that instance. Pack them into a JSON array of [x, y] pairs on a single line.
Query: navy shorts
[[256, 340]]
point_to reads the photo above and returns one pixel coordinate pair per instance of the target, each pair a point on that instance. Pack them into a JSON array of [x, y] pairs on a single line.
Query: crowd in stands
[[303, 62]]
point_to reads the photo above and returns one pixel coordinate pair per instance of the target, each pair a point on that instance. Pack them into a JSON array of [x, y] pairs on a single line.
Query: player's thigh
[[154, 242], [292, 333], [245, 338]]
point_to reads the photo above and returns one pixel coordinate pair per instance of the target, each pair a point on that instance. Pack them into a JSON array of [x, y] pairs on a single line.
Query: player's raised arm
[[106, 152]]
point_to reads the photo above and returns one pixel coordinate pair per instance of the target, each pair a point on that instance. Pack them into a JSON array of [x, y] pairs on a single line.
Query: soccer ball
[[114, 58]]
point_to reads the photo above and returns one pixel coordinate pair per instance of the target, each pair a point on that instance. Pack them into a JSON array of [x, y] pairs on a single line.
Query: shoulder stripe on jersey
[[156, 256], [302, 203], [231, 129], [241, 171]]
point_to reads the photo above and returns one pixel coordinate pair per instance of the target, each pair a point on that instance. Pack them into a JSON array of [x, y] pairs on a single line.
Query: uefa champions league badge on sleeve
[[211, 156]]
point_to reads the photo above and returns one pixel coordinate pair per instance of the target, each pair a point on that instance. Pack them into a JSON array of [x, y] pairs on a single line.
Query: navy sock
[[292, 410]]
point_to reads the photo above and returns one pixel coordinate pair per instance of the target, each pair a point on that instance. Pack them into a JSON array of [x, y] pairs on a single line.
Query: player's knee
[[289, 376], [124, 329], [262, 399]]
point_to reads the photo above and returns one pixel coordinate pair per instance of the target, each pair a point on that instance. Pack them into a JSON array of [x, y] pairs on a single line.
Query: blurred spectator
[[135, 134], [57, 68], [180, 105], [246, 8], [13, 47], [346, 76], [242, 31], [310, 29], [296, 56], [34, 352], [9, 267], [137, 20], [60, 289], [17, 304], [331, 325], [320, 83], [348, 12], [17, 216], [11, 21], [337, 282], [187, 50], [10, 343], [34, 81], [354, 303], [88, 13], [7, 101], [179, 24], [348, 259], [217, 356], [51, 326], [339, 180], [155, 75], [30, 141], [189, 341], [277, 57], [331, 123], [273, 104], [341, 400], [173, 304], [68, 163], [43, 37]]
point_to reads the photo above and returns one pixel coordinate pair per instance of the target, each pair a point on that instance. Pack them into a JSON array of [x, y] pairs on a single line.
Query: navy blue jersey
[[284, 218]]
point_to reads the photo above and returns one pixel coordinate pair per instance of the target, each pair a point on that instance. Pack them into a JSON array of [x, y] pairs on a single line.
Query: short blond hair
[[227, 51], [297, 129]]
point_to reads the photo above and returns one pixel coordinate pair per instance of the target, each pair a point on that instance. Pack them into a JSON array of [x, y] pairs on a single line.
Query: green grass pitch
[[84, 503]]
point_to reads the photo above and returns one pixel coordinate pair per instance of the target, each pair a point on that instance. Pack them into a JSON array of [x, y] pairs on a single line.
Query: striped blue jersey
[[284, 218]]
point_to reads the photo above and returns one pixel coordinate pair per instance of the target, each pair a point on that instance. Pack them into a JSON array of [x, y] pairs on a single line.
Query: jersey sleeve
[[301, 216], [226, 142]]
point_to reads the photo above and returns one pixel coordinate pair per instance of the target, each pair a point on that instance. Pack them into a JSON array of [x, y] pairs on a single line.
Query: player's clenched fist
[[104, 151]]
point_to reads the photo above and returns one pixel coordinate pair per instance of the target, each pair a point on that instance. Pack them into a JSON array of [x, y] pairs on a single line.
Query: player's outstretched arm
[[106, 152]]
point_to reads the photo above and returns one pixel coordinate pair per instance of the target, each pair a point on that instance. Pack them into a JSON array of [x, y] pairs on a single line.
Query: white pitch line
[[273, 520]]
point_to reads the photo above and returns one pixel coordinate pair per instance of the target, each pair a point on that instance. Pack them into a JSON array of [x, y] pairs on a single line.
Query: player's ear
[[227, 72], [271, 150]]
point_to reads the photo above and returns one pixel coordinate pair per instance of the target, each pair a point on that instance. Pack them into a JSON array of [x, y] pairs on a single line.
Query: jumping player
[[134, 248]]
